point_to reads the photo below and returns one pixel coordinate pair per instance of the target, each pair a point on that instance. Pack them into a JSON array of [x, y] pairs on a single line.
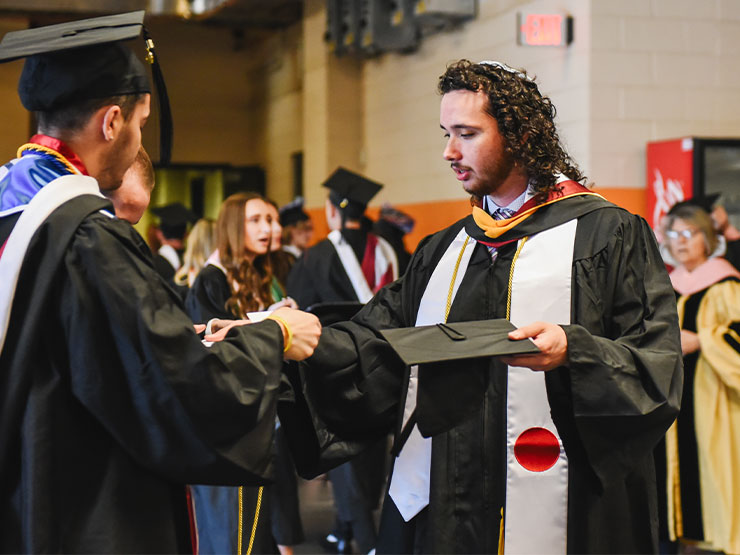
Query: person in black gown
[[109, 400], [551, 452]]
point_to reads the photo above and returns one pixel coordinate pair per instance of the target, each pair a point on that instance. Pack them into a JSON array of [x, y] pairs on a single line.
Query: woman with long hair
[[233, 284], [698, 464], [201, 243]]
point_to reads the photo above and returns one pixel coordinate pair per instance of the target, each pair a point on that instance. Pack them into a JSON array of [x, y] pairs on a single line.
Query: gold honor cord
[[46, 150], [256, 518], [240, 531], [454, 277], [511, 276], [254, 525]]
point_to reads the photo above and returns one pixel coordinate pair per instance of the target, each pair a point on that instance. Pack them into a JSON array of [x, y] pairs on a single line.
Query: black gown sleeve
[[352, 384], [624, 369], [189, 412]]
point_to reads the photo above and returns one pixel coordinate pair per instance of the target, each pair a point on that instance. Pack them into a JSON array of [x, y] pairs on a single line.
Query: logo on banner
[[667, 193]]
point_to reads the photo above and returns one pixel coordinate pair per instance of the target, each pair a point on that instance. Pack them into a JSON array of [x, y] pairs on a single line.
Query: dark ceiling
[[266, 14]]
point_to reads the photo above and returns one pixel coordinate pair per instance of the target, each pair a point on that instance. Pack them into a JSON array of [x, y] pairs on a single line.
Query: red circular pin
[[537, 449]]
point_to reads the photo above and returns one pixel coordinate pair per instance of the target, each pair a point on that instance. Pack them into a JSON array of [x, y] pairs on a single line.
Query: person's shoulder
[[211, 273], [318, 253]]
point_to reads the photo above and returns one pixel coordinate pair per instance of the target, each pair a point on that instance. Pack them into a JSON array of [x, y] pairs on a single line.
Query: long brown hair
[[250, 287]]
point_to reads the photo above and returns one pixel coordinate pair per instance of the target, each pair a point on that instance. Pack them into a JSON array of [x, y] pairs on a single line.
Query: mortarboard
[[396, 218], [705, 202], [84, 60], [293, 212], [351, 191], [456, 341], [174, 219], [453, 371]]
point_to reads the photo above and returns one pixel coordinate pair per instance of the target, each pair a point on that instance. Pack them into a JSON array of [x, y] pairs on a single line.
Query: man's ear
[[112, 120]]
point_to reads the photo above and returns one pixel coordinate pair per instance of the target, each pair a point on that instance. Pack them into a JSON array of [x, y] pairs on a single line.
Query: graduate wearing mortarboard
[[109, 401], [352, 263]]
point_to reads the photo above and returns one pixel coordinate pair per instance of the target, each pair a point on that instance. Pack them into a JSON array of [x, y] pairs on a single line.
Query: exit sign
[[544, 29]]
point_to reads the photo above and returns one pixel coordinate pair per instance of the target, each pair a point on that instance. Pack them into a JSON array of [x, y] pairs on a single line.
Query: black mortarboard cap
[[351, 191], [456, 341], [83, 60], [706, 202], [174, 219], [396, 218], [293, 212]]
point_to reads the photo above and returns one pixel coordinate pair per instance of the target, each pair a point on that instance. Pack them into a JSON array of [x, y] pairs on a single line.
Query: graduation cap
[[705, 202], [453, 371], [293, 212], [396, 218], [174, 219], [84, 60], [351, 192], [456, 341]]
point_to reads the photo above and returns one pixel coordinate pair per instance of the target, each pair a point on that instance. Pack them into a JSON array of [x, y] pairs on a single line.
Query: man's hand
[[689, 342], [219, 328], [552, 342], [305, 329]]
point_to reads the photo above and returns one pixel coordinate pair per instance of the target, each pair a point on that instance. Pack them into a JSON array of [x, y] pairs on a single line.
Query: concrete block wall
[[402, 140], [660, 69]]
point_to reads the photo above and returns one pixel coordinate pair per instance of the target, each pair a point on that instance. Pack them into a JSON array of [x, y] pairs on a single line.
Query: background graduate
[[352, 263]]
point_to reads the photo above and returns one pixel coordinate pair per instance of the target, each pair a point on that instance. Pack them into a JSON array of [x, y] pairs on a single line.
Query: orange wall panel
[[433, 216]]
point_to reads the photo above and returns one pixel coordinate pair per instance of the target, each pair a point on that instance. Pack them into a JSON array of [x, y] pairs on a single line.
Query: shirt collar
[[490, 206]]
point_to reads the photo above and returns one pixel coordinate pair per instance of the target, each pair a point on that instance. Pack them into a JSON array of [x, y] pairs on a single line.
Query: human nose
[[451, 151]]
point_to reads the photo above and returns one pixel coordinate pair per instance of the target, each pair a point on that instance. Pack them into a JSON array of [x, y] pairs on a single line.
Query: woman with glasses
[[699, 464]]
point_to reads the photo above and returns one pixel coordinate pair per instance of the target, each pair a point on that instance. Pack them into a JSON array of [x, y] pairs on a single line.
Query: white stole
[[48, 199], [541, 290], [409, 487], [384, 257]]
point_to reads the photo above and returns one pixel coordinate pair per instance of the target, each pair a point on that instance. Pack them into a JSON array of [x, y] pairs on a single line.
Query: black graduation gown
[[618, 394], [109, 401], [318, 276]]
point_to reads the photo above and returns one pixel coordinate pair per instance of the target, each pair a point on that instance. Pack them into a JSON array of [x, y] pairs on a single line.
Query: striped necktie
[[499, 214]]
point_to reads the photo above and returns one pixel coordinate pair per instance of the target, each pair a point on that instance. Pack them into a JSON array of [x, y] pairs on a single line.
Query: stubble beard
[[491, 178]]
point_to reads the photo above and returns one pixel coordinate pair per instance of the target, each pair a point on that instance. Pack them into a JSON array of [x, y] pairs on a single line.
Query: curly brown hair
[[525, 119], [250, 286]]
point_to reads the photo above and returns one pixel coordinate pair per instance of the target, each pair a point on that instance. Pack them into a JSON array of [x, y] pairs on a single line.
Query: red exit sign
[[539, 29]]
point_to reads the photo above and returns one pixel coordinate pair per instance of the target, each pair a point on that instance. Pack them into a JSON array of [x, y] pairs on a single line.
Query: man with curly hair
[[540, 453]]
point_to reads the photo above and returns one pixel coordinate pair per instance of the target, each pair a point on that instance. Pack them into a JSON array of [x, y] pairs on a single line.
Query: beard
[[491, 176]]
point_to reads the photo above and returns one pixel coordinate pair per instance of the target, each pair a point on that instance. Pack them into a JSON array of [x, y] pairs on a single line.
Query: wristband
[[209, 326], [289, 341]]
